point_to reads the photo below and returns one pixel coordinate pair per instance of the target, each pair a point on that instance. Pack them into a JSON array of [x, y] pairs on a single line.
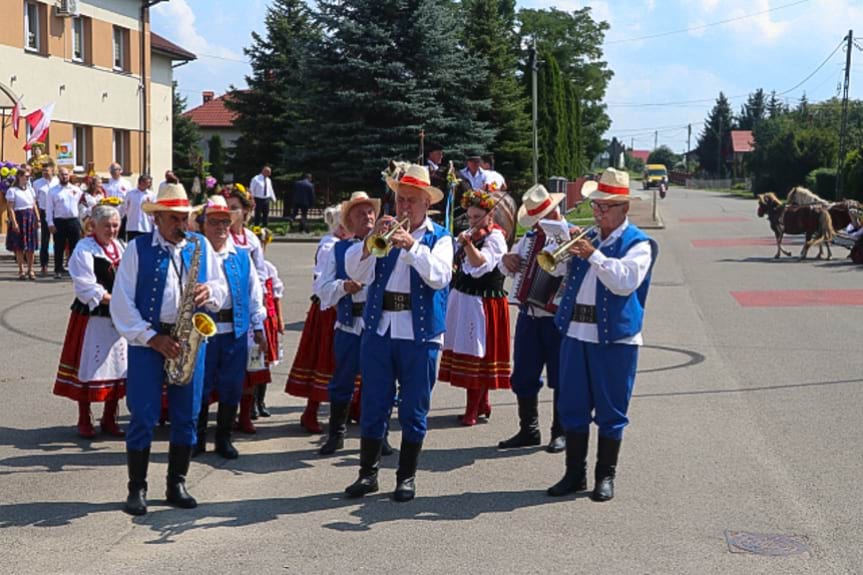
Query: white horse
[[800, 196]]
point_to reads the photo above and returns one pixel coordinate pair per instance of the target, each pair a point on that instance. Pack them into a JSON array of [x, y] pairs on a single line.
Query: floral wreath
[[263, 234], [477, 199], [112, 201]]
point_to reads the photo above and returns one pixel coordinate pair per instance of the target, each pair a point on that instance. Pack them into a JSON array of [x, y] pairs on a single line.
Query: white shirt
[[118, 188], [258, 313], [492, 249], [621, 276], [494, 180], [88, 290], [852, 232], [477, 181], [434, 267], [62, 202], [262, 187], [20, 199], [249, 242], [126, 317], [278, 286], [325, 246], [42, 187], [136, 219], [330, 290], [520, 249]]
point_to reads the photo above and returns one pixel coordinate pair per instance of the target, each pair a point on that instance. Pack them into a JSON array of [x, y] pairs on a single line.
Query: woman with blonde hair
[[23, 215]]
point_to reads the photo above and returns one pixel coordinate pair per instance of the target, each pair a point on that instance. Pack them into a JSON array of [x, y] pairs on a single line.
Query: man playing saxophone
[[151, 295]]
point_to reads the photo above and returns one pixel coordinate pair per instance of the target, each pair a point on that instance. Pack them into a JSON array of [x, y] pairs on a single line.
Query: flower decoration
[[477, 199], [112, 201], [7, 175], [210, 182], [263, 234]]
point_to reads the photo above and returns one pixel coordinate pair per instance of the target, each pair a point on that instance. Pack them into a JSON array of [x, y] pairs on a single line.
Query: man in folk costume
[[348, 296], [242, 309], [404, 319], [601, 317], [537, 342], [145, 305]]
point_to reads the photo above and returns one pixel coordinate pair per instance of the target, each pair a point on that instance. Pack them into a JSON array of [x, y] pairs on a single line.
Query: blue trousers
[[596, 386], [144, 398], [225, 367], [537, 345], [346, 348], [414, 365]]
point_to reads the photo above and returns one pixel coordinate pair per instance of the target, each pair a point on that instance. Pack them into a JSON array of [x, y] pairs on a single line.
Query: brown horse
[[813, 221]]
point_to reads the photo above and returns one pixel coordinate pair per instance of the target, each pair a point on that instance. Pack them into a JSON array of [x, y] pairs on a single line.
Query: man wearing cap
[[404, 318], [348, 296], [601, 317], [434, 164], [242, 309], [473, 173], [537, 341], [148, 291]]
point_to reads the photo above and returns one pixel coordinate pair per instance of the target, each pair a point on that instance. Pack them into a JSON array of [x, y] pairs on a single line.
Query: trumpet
[[379, 244], [549, 260]]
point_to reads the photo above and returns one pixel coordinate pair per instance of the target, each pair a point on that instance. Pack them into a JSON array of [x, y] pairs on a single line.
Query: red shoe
[[85, 421], [309, 419], [484, 406], [244, 424], [472, 407], [109, 420]]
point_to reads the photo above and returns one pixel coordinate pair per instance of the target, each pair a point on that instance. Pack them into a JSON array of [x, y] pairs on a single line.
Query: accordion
[[533, 285]]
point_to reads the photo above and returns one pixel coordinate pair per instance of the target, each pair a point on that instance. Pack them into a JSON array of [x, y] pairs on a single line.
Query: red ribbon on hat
[[178, 203], [614, 190], [410, 180], [538, 209]]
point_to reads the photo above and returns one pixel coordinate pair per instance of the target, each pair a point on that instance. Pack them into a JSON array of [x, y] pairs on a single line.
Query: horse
[[841, 213], [800, 196], [812, 220]]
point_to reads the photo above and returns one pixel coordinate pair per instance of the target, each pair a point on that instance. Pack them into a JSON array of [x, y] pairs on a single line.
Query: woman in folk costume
[[93, 360], [314, 361], [476, 343]]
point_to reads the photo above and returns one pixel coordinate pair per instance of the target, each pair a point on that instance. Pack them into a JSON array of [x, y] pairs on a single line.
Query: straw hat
[[536, 203], [614, 186], [171, 198], [415, 178], [358, 198], [218, 205]]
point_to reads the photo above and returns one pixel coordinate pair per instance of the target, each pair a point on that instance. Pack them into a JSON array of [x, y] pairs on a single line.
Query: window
[[78, 51], [121, 148], [119, 48], [80, 141], [32, 30]]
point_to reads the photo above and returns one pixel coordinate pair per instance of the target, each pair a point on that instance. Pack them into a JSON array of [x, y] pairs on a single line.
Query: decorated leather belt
[[584, 313], [165, 328], [395, 301], [224, 316], [358, 308]]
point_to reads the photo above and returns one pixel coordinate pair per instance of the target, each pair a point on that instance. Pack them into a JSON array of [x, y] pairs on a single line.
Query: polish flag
[[38, 122], [16, 117]]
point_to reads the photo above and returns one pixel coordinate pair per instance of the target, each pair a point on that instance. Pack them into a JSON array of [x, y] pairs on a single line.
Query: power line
[[705, 26], [807, 78]]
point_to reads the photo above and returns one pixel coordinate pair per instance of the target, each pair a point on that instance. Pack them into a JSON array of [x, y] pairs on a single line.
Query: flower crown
[[264, 234], [477, 199], [112, 201]]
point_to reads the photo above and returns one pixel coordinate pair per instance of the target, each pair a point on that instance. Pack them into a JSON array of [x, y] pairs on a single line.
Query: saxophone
[[191, 328]]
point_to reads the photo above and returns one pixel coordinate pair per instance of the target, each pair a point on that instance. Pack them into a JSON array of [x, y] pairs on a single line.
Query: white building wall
[[161, 110]]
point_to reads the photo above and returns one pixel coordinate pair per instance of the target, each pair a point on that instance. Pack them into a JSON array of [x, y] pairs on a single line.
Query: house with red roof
[[742, 144], [640, 155], [213, 117]]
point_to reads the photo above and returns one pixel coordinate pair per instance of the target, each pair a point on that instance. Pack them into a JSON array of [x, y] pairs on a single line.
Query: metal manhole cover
[[769, 544]]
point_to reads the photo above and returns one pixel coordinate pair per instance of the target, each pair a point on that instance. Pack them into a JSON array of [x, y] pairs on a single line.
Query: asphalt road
[[745, 419]]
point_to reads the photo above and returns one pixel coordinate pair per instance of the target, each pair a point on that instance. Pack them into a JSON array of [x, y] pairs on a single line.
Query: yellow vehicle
[[655, 174]]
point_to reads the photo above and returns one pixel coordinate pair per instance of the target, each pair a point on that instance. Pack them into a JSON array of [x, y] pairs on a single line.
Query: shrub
[[822, 181]]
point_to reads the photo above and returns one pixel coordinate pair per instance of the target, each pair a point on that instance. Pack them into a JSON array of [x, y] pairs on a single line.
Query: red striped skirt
[[314, 363], [67, 383], [491, 371], [271, 324]]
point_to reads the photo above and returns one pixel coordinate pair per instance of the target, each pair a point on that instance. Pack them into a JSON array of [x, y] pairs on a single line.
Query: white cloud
[[180, 20]]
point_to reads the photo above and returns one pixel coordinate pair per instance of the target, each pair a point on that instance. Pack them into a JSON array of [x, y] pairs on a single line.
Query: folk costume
[[145, 303], [344, 384], [227, 352], [93, 361], [23, 203], [476, 344], [404, 318], [600, 318]]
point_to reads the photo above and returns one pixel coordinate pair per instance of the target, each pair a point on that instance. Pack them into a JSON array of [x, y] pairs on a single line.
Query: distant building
[[640, 155], [213, 117]]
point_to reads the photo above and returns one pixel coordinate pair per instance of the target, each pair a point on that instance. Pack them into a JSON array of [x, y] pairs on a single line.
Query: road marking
[[741, 242], [799, 298], [713, 220]]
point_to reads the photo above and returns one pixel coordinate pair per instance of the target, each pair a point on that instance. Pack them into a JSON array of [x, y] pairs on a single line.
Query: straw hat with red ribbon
[[613, 186], [356, 199], [171, 198], [218, 205], [536, 203], [415, 178]]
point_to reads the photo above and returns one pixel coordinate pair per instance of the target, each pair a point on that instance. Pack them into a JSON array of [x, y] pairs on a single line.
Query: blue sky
[[771, 44]]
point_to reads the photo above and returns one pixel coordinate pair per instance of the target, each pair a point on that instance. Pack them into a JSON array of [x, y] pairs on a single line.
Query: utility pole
[[655, 139], [631, 144], [842, 133], [534, 67], [719, 149], [688, 145]]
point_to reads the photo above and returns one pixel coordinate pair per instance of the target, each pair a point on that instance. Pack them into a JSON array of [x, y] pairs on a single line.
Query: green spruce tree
[[553, 119], [217, 158], [715, 139], [753, 111]]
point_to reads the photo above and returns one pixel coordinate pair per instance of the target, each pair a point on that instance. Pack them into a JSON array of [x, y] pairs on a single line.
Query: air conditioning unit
[[68, 8]]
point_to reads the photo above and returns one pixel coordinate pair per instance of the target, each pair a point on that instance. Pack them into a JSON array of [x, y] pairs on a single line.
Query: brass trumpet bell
[[379, 245], [549, 260]]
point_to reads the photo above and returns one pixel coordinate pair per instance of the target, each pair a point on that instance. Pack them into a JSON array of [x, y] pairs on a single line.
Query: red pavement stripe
[[713, 220], [738, 242], [799, 298]]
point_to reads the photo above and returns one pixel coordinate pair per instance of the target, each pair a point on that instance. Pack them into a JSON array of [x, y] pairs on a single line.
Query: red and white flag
[[16, 117], [38, 122]]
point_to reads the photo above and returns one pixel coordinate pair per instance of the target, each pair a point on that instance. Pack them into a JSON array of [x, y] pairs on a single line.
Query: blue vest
[[617, 317], [237, 270], [345, 306], [153, 265], [428, 306]]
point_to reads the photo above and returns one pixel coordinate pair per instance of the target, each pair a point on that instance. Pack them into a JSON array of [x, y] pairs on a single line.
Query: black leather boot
[[575, 478], [370, 459], [386, 448], [558, 438], [606, 467], [337, 429], [179, 457], [224, 423], [260, 394], [528, 425], [137, 462], [201, 432], [406, 474]]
